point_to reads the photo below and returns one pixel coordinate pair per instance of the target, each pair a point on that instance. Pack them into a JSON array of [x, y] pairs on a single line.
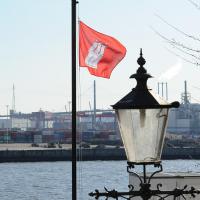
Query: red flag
[[98, 52]]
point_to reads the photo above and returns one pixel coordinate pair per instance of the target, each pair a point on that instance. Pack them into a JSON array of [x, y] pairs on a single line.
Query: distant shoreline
[[90, 154]]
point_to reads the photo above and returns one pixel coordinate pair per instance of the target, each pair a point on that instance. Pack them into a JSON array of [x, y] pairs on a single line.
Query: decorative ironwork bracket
[[145, 191]]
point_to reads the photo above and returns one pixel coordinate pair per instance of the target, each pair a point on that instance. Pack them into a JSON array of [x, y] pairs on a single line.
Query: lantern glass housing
[[142, 117], [142, 132]]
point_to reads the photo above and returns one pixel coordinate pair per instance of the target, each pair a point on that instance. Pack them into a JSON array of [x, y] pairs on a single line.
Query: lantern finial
[[141, 75], [141, 61]]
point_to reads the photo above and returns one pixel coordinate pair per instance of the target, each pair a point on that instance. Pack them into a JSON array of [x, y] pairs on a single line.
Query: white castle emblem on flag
[[95, 54]]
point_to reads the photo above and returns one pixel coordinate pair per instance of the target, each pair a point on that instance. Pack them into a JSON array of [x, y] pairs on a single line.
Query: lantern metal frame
[[145, 191]]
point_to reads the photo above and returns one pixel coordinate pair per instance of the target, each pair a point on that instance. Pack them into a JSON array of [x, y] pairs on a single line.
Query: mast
[[13, 99], [73, 45], [166, 88], [163, 89], [94, 114], [185, 93]]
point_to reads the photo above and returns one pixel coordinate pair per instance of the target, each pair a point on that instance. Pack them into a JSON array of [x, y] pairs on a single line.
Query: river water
[[52, 180]]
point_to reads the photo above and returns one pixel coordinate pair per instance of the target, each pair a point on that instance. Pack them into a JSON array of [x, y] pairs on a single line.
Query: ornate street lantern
[[142, 118]]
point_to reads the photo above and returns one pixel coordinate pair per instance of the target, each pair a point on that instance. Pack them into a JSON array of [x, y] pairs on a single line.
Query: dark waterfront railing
[[88, 154]]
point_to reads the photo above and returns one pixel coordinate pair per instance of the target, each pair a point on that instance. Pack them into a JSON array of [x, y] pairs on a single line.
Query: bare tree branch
[[185, 52], [194, 4], [181, 48], [174, 42], [184, 46], [177, 55], [178, 30]]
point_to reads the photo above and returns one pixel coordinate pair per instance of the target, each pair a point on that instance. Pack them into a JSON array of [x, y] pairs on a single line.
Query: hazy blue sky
[[35, 42]]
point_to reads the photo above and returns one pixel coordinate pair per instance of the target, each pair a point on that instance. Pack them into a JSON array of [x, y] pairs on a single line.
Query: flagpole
[[73, 43]]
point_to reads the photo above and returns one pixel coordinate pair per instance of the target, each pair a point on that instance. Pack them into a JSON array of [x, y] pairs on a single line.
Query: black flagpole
[[73, 34]]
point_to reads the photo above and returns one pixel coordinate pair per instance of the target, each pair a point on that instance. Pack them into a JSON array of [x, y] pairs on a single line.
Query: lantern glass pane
[[142, 132]]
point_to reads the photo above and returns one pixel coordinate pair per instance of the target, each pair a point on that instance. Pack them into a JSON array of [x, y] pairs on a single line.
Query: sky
[[35, 51]]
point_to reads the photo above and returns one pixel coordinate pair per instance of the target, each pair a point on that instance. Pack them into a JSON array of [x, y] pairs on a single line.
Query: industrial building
[[38, 127], [93, 125], [186, 119]]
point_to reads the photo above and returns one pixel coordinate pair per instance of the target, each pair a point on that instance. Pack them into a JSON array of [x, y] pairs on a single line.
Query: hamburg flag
[[98, 52]]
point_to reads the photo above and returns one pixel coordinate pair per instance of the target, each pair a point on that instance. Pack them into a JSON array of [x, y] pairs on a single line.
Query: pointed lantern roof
[[141, 97]]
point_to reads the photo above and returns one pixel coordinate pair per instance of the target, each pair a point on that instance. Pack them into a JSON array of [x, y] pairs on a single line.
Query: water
[[52, 180]]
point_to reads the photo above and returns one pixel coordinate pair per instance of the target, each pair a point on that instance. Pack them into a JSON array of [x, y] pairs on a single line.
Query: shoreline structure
[[26, 153]]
